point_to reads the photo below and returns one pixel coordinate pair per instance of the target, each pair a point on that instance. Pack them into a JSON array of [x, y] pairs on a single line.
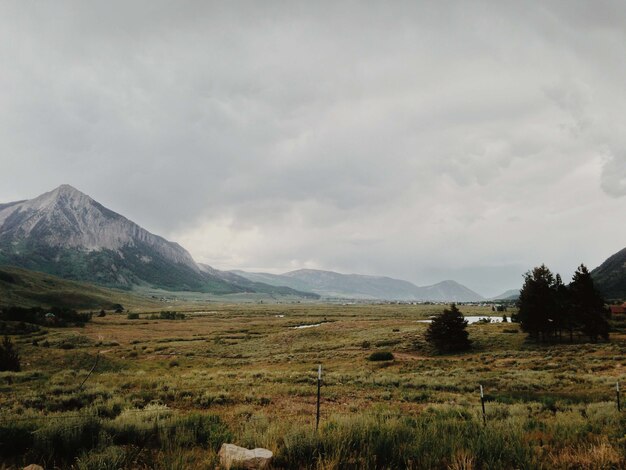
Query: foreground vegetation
[[166, 393]]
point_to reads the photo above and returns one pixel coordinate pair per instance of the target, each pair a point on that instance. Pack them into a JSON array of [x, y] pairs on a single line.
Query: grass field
[[167, 393]]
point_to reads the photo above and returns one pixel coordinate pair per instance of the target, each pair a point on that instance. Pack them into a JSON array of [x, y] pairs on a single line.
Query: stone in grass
[[33, 466], [240, 457]]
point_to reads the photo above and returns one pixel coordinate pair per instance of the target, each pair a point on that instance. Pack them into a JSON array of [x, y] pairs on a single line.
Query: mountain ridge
[[331, 284]]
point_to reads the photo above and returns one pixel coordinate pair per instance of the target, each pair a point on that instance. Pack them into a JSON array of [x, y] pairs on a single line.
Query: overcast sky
[[420, 140]]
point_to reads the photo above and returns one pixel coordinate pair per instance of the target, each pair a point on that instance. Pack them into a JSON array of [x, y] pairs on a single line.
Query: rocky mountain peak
[[68, 218]]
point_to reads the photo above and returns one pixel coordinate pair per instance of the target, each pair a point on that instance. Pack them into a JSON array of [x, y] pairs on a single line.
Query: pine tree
[[9, 358], [537, 303], [447, 332], [563, 319], [587, 306]]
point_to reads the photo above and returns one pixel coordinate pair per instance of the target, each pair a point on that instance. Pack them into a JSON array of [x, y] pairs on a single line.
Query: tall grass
[[93, 442]]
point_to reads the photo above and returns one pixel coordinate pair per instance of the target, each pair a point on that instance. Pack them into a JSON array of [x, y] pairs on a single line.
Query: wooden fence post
[[319, 395], [482, 403]]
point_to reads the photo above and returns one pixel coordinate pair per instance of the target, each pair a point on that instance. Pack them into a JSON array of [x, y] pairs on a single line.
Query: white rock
[[232, 455]]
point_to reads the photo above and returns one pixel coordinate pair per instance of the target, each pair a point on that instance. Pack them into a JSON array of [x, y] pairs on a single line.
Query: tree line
[[550, 310], [39, 316]]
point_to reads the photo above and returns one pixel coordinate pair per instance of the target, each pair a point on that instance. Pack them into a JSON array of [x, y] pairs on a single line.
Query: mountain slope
[[450, 291], [259, 286], [357, 286], [610, 276], [23, 288], [66, 233], [511, 294], [354, 285], [275, 280]]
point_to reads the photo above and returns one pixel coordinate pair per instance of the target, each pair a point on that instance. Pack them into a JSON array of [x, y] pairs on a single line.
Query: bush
[[132, 316], [16, 437], [9, 358], [167, 315], [381, 356]]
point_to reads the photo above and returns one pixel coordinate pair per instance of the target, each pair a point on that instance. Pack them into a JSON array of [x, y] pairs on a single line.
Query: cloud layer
[[419, 140]]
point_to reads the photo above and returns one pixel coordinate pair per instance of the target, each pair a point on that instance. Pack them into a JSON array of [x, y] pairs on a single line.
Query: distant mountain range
[[356, 286], [66, 233]]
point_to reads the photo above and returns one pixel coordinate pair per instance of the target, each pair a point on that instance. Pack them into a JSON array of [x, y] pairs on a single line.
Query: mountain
[[66, 233], [450, 291], [258, 286], [610, 276], [511, 294], [357, 286]]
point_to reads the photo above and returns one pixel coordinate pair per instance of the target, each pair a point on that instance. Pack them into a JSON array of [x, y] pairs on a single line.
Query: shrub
[[9, 358], [132, 316], [16, 437], [167, 315], [109, 458], [381, 356]]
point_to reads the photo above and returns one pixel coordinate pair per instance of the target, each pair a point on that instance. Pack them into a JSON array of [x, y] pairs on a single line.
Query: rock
[[240, 457], [33, 466]]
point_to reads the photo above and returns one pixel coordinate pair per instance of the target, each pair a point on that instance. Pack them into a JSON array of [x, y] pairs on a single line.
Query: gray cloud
[[614, 175], [411, 139]]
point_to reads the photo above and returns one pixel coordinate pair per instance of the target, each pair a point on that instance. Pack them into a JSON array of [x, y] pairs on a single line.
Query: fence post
[[619, 405], [319, 395], [91, 371], [482, 403]]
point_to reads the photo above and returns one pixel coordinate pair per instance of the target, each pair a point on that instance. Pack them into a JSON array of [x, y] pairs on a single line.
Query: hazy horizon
[[413, 140]]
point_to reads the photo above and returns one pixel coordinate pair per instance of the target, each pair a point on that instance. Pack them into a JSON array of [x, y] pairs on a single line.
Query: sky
[[419, 140]]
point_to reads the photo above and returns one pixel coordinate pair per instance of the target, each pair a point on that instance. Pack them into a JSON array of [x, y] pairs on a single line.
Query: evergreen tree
[[447, 332], [537, 303], [9, 359], [587, 306], [563, 319]]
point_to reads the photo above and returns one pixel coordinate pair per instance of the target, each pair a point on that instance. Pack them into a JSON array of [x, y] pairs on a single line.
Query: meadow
[[167, 393]]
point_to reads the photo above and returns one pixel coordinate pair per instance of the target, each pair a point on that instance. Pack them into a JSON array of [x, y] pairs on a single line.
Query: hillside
[[511, 294], [23, 288], [610, 276]]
